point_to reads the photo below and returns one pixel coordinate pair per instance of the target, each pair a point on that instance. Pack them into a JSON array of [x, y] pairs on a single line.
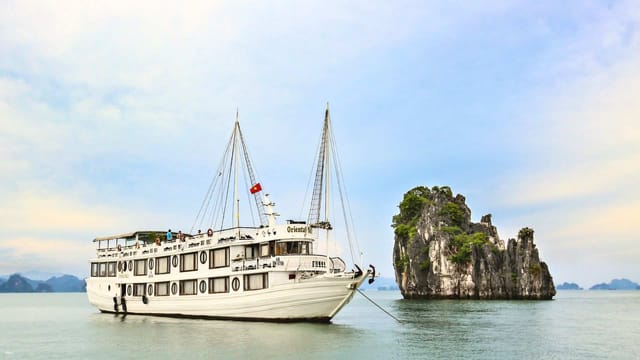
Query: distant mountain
[[380, 283], [568, 286], [616, 284], [39, 275], [64, 283], [16, 283], [43, 287]]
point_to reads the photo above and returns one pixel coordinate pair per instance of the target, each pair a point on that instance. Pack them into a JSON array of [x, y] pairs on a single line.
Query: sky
[[114, 116]]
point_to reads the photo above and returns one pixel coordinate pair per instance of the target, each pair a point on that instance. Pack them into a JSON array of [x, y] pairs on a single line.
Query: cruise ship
[[266, 272]]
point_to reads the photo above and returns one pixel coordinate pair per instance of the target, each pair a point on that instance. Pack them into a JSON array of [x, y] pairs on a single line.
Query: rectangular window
[[218, 285], [187, 287], [188, 262], [138, 289], [255, 281], [304, 248], [103, 269], [264, 249], [250, 252], [94, 269], [162, 289], [162, 265], [111, 269], [140, 267], [219, 258]]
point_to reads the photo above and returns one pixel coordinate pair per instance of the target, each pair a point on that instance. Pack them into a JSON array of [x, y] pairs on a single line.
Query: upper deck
[[146, 241]]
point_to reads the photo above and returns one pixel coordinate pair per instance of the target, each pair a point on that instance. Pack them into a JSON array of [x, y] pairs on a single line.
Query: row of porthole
[[122, 265], [235, 285]]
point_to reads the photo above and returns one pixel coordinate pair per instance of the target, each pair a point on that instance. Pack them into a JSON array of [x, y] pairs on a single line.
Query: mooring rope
[[379, 307]]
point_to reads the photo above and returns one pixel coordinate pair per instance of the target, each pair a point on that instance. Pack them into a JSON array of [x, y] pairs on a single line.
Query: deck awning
[[113, 237]]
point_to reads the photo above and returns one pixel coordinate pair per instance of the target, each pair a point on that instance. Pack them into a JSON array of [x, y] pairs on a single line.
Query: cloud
[[45, 253], [584, 138]]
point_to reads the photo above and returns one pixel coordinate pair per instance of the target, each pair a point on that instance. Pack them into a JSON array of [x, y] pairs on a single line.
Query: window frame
[[94, 269], [139, 286], [195, 261], [212, 288], [157, 286], [111, 265], [136, 267], [157, 265], [247, 281], [212, 257], [182, 289], [102, 269]]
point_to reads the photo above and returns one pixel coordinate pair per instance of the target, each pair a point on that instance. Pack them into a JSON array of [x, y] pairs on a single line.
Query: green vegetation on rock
[[403, 262], [454, 212], [451, 230], [462, 246], [411, 207]]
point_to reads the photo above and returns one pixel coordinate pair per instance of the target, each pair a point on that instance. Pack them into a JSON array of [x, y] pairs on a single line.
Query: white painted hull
[[316, 299]]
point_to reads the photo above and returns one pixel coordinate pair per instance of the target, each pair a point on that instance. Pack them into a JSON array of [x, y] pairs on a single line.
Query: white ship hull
[[317, 299]]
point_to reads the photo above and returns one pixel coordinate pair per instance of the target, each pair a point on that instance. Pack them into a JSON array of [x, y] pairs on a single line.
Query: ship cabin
[[144, 263]]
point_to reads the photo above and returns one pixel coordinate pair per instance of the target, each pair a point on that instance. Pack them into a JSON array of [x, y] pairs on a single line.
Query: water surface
[[577, 325]]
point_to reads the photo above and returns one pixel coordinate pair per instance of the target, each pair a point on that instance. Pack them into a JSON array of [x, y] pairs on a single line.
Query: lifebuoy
[[203, 257], [235, 284], [203, 286], [210, 232]]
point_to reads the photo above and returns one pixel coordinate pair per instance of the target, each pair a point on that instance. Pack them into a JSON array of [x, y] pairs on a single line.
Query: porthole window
[[129, 289], [150, 290], [130, 265], [174, 261], [174, 288], [235, 284], [124, 266], [203, 286], [150, 264], [203, 257], [119, 266]]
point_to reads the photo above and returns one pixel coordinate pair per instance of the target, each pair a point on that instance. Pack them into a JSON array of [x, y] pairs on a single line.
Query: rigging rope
[[379, 307]]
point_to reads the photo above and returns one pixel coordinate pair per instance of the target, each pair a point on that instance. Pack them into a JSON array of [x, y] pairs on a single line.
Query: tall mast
[[235, 178], [260, 204], [327, 208], [319, 183]]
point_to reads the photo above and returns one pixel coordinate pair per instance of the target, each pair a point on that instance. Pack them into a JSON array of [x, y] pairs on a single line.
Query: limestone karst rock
[[439, 253]]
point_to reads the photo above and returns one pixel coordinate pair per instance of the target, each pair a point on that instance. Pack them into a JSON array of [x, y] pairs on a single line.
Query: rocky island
[[439, 253]]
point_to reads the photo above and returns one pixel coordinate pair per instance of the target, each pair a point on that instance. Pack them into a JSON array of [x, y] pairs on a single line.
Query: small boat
[[266, 272]]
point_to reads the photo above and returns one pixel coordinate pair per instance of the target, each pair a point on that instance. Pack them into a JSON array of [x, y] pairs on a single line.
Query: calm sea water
[[577, 325]]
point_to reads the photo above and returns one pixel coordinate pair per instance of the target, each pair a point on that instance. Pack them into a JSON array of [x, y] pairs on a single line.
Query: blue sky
[[113, 117]]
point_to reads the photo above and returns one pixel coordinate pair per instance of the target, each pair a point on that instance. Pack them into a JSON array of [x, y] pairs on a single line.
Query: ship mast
[[235, 162], [235, 178], [319, 184]]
